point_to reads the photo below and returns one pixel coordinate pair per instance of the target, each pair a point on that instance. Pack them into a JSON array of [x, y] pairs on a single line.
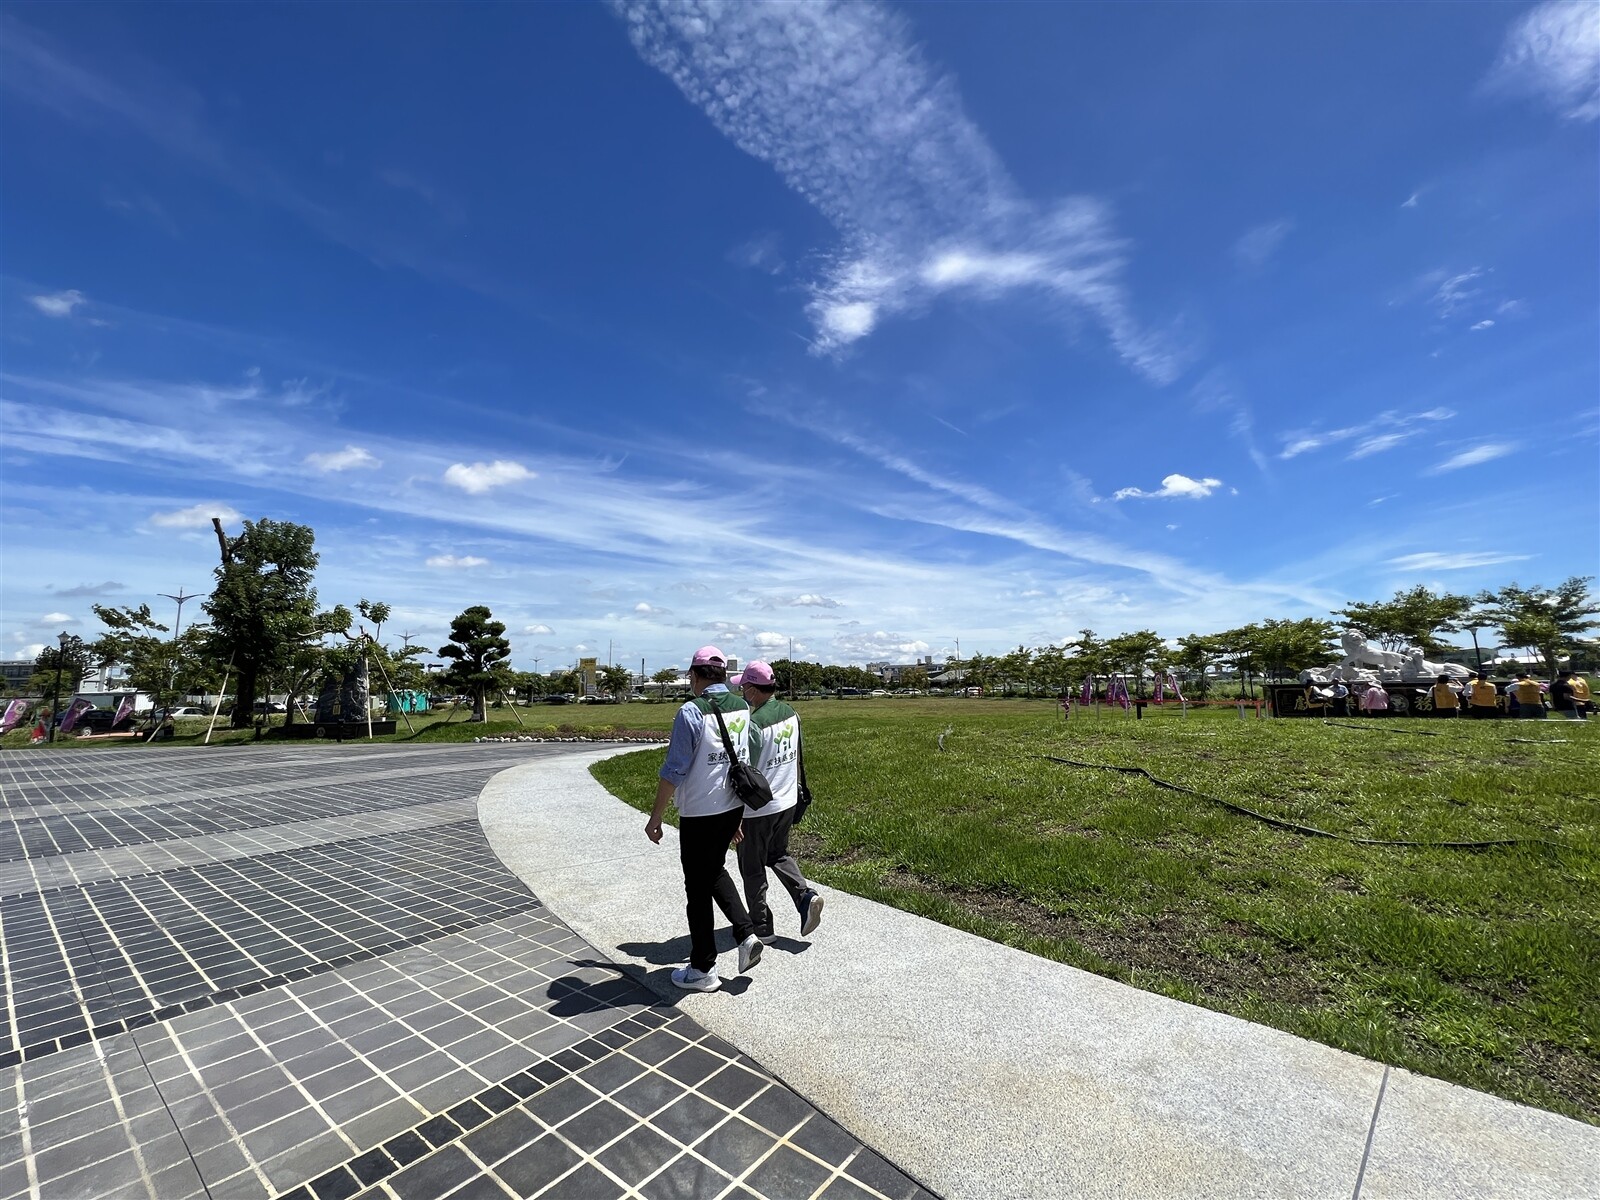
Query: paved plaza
[[262, 972]]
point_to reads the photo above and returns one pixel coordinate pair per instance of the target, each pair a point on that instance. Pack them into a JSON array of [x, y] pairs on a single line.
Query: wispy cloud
[[58, 304], [537, 628], [1456, 291], [196, 516], [479, 477], [452, 562], [1411, 200], [761, 253], [56, 618], [839, 99], [1486, 323], [1384, 432], [1434, 560], [1486, 452], [347, 459], [1216, 393], [1173, 487], [1256, 248], [1552, 53], [90, 589]]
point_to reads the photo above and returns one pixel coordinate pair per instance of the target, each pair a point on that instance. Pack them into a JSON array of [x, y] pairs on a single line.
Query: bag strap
[[727, 742], [801, 754]]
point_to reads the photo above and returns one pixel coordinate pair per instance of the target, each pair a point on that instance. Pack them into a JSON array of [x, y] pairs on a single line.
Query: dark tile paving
[[387, 1015]]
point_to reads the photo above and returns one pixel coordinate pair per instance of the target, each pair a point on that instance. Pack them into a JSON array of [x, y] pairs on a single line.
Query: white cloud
[[56, 618], [1384, 432], [1456, 291], [58, 304], [1411, 201], [1172, 487], [32, 650], [839, 99], [342, 460], [478, 478], [1484, 324], [537, 629], [768, 640], [761, 253], [1257, 247], [877, 646], [813, 600], [450, 562], [1552, 53], [197, 516], [1478, 454], [642, 607], [1435, 561]]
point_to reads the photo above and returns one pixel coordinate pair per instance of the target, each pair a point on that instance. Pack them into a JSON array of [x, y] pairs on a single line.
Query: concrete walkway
[[987, 1072]]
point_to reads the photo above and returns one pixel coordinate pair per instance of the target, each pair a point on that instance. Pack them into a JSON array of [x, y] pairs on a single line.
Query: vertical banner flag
[[1119, 692], [123, 710], [75, 710], [14, 712], [1176, 689], [1087, 694], [1161, 688]]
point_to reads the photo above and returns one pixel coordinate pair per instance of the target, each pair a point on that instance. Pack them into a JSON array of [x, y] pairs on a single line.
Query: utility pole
[[55, 692], [406, 637], [172, 680]]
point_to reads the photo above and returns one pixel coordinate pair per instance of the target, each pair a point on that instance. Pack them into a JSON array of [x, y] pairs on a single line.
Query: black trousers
[[766, 844], [703, 850]]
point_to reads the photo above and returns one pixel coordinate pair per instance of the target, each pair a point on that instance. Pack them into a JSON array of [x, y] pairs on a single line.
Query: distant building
[[893, 672], [14, 675]]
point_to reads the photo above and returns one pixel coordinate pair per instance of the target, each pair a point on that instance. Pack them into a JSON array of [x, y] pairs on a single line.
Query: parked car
[[103, 720], [555, 698], [187, 710], [879, 692]]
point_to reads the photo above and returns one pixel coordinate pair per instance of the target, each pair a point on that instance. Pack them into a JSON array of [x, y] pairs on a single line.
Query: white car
[[187, 711]]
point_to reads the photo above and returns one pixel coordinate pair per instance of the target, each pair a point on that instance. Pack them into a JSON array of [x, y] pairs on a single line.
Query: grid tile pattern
[[145, 944]]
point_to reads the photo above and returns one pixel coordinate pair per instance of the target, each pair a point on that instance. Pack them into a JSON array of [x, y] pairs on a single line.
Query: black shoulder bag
[[749, 784], [803, 801]]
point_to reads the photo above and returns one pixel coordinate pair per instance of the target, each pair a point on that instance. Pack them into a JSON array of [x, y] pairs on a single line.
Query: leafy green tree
[[1016, 668], [74, 658], [616, 680], [477, 651], [566, 681], [168, 669], [1089, 657], [1197, 653], [914, 677], [793, 677], [263, 608], [1241, 649], [1411, 618], [377, 612], [1289, 647], [1549, 621], [1132, 652]]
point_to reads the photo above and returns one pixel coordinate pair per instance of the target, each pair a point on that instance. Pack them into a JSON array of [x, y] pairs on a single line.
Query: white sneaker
[[697, 981], [812, 916], [749, 953]]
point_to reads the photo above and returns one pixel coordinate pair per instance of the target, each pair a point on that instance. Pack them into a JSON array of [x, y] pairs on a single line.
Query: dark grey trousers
[[766, 844]]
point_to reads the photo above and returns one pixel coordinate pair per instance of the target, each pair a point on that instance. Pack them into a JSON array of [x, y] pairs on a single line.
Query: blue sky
[[867, 326]]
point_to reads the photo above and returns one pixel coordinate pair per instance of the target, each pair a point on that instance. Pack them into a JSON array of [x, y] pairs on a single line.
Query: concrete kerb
[[985, 1071]]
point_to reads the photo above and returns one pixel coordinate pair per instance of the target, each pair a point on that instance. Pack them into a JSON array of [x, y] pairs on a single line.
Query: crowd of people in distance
[[1524, 698]]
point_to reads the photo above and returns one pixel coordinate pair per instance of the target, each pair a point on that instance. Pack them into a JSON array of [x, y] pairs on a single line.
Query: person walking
[[1482, 697], [1529, 700], [1375, 701], [709, 814], [1563, 699], [775, 751], [1580, 693], [1445, 701]]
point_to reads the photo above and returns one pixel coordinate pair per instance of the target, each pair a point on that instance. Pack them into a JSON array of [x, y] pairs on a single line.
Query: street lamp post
[[177, 627], [55, 692]]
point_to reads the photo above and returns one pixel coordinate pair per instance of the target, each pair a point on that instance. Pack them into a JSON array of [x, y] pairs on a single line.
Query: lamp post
[[177, 627], [55, 692]]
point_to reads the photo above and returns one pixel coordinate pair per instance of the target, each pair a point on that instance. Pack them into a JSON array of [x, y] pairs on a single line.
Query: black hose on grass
[[1305, 830]]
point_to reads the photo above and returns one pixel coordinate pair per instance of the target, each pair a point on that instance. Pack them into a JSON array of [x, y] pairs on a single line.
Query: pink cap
[[736, 680], [759, 674], [708, 656]]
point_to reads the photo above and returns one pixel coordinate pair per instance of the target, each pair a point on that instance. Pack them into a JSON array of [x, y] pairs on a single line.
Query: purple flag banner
[[75, 710], [1161, 689], [14, 712], [1176, 690], [1087, 694], [123, 710], [1119, 692]]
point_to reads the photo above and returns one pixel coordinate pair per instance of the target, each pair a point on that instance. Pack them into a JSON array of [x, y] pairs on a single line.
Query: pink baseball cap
[[708, 656], [759, 674]]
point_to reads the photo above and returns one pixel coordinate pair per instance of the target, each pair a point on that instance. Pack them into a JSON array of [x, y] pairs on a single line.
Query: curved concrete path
[[988, 1072]]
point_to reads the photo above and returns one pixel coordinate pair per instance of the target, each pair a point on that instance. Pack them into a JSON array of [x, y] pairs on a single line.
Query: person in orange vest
[[1580, 693], [1445, 701], [1530, 700], [1481, 697]]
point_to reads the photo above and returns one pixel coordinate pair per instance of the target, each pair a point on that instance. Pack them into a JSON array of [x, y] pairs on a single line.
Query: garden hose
[[1305, 830]]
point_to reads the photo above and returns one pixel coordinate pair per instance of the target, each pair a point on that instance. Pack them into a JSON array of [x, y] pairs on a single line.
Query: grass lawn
[[1481, 967]]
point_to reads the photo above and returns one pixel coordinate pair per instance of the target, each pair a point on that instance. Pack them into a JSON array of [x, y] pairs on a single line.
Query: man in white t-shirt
[[696, 775], [775, 751]]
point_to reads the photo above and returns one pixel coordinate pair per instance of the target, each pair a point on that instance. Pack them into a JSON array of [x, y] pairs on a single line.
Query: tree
[[1289, 647], [477, 652], [1196, 654], [167, 668], [72, 656], [375, 611], [616, 680], [1411, 618], [1550, 621], [263, 607], [1089, 656], [1131, 652], [914, 677], [793, 677]]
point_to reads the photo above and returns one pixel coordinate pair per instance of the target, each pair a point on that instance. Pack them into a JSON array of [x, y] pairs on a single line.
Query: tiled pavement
[[302, 972]]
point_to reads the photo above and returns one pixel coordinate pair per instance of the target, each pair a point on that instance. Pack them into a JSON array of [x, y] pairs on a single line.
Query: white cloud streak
[[197, 516], [451, 562], [1434, 560], [58, 304], [1256, 248], [480, 477], [1552, 54], [1173, 487], [1486, 452], [347, 459], [840, 101], [1384, 432]]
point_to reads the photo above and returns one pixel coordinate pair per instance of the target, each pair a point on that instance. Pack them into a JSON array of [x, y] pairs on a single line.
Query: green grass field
[[1481, 967]]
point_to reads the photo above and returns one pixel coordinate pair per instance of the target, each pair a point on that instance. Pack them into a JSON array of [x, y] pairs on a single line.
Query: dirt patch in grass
[[1571, 1074]]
